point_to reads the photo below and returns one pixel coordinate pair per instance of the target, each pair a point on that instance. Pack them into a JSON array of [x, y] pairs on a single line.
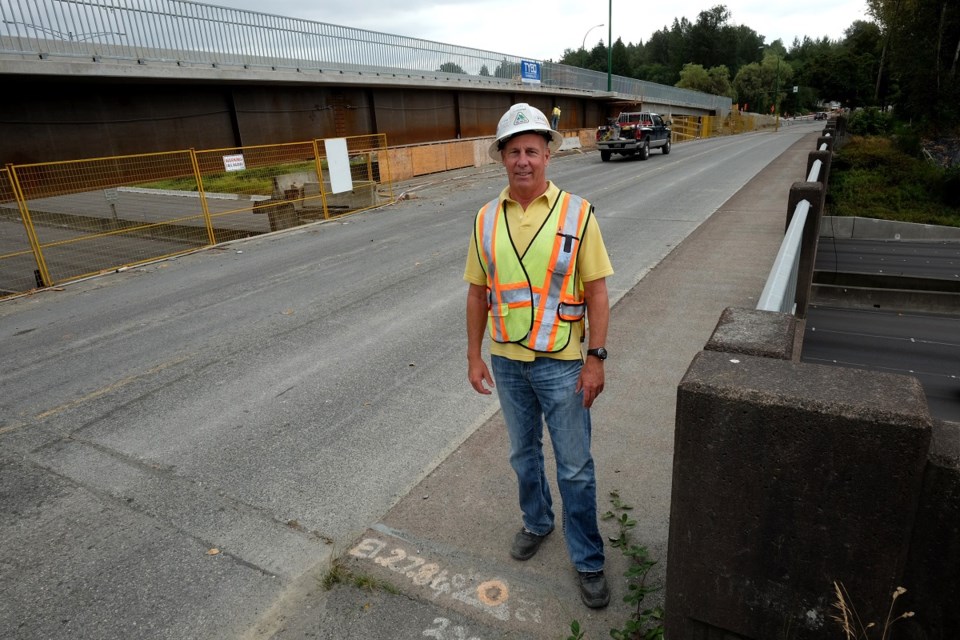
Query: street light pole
[[583, 46], [776, 92]]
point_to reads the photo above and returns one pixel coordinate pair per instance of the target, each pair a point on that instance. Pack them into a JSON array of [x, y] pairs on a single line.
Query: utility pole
[[776, 96]]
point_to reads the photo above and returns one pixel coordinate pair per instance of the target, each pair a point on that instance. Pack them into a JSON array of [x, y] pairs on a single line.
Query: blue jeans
[[531, 392]]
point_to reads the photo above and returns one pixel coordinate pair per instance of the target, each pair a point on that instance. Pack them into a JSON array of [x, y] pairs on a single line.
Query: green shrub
[[872, 177], [869, 122], [907, 140], [870, 152]]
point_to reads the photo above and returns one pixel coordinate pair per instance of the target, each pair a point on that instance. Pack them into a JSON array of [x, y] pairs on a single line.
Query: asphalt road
[[920, 343], [912, 258], [183, 442], [924, 345]]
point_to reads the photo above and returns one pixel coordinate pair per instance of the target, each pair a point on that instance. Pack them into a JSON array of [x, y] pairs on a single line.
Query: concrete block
[[570, 143], [765, 334], [787, 477], [932, 578], [480, 156]]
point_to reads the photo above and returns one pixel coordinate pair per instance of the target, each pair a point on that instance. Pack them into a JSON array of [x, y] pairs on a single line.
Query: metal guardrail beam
[[778, 292]]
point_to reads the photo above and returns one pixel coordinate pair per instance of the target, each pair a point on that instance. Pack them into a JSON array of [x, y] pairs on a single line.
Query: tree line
[[905, 59]]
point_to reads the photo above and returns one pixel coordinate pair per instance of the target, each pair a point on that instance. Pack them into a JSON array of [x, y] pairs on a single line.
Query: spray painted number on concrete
[[489, 595], [443, 631]]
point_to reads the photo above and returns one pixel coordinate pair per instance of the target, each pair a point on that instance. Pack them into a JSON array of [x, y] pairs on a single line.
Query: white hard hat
[[522, 118]]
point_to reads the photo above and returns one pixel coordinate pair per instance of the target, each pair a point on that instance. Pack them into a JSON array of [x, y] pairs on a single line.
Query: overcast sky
[[542, 30]]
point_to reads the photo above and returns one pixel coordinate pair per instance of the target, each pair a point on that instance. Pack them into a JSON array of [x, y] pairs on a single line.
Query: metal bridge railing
[[196, 33], [780, 290], [191, 33]]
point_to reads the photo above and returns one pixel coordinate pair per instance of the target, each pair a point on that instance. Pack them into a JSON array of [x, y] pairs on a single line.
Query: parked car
[[820, 115]]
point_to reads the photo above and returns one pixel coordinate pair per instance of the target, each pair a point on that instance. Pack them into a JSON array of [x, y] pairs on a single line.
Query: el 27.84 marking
[[489, 595]]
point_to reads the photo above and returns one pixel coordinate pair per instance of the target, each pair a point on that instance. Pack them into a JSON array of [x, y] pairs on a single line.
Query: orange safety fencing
[[62, 221]]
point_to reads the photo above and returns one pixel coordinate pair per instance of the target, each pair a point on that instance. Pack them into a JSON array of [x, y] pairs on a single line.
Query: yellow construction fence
[[62, 221]]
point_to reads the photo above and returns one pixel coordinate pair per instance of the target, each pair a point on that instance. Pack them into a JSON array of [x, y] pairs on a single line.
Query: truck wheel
[[645, 150], [605, 156], [666, 148]]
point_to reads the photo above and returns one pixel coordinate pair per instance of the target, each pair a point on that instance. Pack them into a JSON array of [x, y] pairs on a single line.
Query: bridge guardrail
[[787, 289], [193, 34]]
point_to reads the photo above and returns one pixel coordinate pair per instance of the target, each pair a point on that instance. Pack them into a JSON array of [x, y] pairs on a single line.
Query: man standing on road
[[536, 268]]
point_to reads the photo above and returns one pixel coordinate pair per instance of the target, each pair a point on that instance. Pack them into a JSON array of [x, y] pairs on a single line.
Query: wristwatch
[[600, 352]]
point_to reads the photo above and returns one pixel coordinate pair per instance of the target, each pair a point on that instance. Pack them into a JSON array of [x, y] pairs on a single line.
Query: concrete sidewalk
[[444, 546]]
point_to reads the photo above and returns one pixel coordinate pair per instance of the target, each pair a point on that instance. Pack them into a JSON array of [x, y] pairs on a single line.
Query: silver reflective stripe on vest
[[569, 239], [486, 236]]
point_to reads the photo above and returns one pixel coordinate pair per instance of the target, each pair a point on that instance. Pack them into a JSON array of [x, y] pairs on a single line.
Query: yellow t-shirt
[[592, 264]]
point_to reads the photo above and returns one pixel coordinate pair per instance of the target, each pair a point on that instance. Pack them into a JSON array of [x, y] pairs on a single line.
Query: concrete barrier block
[[876, 229], [588, 138], [480, 156], [765, 334], [570, 143], [787, 477], [932, 578]]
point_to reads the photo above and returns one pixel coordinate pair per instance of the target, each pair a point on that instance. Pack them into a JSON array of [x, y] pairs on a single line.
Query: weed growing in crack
[[340, 574], [643, 623]]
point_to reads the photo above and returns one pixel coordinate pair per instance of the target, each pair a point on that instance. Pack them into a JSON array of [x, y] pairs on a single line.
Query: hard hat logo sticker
[[521, 119]]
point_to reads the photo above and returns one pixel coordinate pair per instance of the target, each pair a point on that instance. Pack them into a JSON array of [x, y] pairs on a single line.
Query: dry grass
[[852, 625]]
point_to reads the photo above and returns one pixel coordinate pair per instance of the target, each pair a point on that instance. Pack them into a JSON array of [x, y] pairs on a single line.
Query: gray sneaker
[[593, 589], [525, 544]]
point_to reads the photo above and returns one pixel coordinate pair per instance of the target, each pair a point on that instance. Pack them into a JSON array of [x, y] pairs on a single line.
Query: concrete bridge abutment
[[792, 477]]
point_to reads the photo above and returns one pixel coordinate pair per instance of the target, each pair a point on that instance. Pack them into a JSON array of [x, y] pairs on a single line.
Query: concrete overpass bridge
[[97, 79]]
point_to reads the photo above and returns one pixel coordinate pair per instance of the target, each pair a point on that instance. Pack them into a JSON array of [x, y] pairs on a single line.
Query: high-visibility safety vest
[[534, 298]]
